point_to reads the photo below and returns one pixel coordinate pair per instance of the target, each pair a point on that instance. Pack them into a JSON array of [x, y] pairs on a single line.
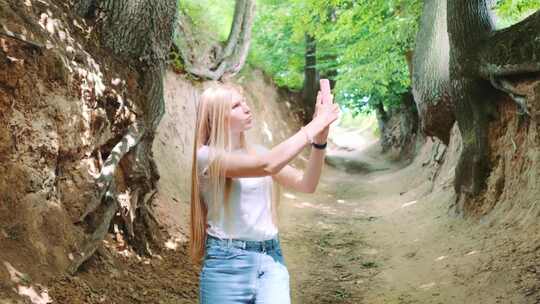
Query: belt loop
[[229, 242], [244, 245], [263, 243]]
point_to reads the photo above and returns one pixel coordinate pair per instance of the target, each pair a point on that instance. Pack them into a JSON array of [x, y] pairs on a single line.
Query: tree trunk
[[331, 74], [430, 76], [408, 124], [311, 78], [479, 57], [469, 23], [215, 61], [140, 31]]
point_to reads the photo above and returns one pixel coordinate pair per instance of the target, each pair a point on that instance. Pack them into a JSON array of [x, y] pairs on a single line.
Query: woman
[[233, 209]]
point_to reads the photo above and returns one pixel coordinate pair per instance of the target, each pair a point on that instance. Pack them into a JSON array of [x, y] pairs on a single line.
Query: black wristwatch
[[319, 146]]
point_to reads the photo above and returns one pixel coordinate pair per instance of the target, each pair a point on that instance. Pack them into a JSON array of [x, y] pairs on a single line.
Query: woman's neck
[[235, 141]]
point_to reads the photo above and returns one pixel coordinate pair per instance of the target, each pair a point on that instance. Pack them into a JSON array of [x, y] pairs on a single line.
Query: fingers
[[319, 98]]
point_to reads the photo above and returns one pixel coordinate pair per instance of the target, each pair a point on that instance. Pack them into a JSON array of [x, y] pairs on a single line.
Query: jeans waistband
[[259, 246]]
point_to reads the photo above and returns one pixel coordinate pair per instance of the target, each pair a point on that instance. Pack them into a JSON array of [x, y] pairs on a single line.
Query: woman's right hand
[[326, 112]]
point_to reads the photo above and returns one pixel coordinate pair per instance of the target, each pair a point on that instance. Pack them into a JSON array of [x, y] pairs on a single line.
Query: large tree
[[430, 72], [215, 59], [140, 32], [481, 59], [311, 77]]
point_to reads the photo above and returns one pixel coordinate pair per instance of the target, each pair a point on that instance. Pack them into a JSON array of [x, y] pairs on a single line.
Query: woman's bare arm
[[307, 181], [243, 165]]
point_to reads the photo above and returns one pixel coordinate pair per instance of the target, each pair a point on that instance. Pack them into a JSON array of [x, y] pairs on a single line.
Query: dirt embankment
[[63, 101], [62, 97]]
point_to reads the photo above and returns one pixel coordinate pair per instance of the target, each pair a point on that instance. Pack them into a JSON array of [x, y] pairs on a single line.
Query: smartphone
[[325, 89]]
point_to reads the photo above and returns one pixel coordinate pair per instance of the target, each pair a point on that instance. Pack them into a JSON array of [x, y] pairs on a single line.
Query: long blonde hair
[[212, 129]]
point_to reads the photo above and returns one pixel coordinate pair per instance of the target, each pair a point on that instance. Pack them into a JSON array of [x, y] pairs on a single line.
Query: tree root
[[505, 86], [8, 34], [219, 61], [95, 241], [131, 139]]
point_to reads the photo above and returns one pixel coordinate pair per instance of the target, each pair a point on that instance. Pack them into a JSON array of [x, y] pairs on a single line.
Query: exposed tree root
[[95, 240], [8, 34], [217, 61], [132, 138], [507, 87]]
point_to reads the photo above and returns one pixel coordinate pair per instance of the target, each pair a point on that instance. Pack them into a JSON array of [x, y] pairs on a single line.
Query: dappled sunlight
[[267, 132], [428, 285], [34, 296], [409, 204], [324, 208], [289, 195], [24, 288], [442, 257], [173, 242]]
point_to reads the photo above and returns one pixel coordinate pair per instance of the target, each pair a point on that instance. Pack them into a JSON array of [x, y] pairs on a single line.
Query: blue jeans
[[246, 272]]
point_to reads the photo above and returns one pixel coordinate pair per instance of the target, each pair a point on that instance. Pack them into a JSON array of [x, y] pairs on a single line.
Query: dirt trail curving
[[383, 235]]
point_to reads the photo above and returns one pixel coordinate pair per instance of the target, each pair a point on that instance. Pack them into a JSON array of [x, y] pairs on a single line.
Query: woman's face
[[240, 116]]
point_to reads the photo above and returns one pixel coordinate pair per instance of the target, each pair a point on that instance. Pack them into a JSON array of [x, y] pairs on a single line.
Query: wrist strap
[[319, 146]]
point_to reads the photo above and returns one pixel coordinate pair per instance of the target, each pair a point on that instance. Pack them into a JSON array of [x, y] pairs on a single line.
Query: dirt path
[[383, 236]]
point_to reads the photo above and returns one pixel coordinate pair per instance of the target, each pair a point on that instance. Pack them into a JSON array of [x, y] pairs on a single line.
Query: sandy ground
[[375, 232], [381, 234]]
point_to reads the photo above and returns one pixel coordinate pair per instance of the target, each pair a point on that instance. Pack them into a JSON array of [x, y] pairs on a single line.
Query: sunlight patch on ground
[[428, 285], [289, 195], [323, 208], [35, 296], [359, 210], [409, 204], [370, 251], [323, 225], [472, 252], [173, 242], [442, 257], [21, 279]]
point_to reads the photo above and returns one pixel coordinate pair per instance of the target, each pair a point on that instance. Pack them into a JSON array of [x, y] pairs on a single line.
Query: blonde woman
[[233, 208]]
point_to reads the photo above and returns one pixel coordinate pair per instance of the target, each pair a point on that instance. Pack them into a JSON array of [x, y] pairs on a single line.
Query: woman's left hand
[[321, 137]]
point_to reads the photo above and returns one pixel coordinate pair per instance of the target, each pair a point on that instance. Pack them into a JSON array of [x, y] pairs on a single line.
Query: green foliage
[[210, 17], [275, 47], [512, 11], [365, 41]]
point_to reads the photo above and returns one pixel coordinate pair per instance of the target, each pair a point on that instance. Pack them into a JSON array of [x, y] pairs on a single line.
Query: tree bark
[[311, 78], [217, 61], [469, 22], [479, 57], [460, 65], [430, 76], [330, 74], [140, 32]]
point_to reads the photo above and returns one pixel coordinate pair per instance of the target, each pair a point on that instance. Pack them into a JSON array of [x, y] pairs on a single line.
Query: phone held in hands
[[325, 89]]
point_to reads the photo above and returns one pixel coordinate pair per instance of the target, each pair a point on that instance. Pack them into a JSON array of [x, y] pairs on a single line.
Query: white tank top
[[249, 203]]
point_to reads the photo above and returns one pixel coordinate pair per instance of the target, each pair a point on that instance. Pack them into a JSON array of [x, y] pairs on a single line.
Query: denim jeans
[[236, 272]]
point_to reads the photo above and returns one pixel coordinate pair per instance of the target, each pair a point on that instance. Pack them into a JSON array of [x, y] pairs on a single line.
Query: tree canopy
[[365, 41]]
